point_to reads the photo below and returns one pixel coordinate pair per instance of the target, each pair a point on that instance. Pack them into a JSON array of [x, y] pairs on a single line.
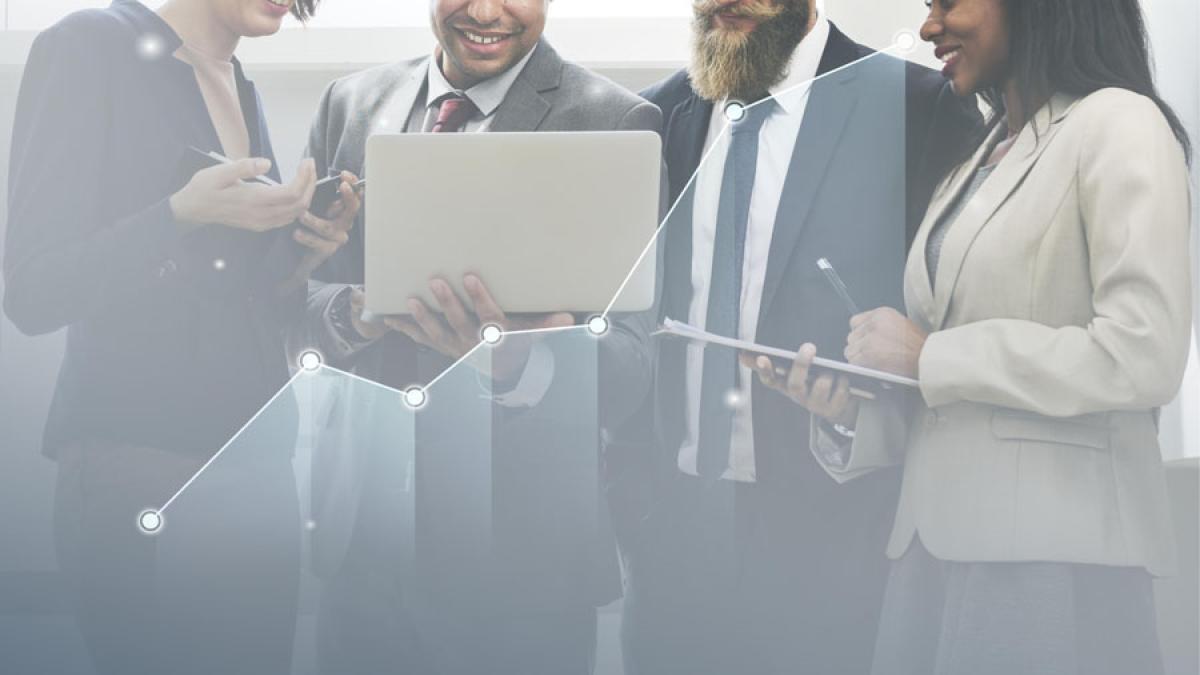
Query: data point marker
[[219, 264], [415, 398], [310, 361], [150, 522], [491, 334], [597, 325], [735, 111], [905, 41]]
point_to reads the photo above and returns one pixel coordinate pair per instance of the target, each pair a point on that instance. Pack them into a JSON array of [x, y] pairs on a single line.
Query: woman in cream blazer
[[1049, 316]]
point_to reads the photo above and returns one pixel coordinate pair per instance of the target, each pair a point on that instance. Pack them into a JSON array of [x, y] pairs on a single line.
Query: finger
[[557, 320], [310, 240], [454, 311], [434, 328], [841, 395], [347, 207], [747, 360], [861, 319], [797, 382], [765, 369], [243, 169], [821, 391], [325, 228], [486, 306]]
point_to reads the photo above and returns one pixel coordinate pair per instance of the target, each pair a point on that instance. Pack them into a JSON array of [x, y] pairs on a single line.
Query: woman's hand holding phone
[[223, 195]]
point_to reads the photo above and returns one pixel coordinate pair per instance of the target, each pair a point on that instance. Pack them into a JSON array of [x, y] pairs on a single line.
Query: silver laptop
[[549, 221]]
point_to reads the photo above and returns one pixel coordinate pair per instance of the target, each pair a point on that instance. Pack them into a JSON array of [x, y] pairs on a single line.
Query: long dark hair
[[1077, 47], [304, 9]]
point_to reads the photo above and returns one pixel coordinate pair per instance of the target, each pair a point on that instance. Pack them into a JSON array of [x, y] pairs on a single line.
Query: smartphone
[[327, 194]]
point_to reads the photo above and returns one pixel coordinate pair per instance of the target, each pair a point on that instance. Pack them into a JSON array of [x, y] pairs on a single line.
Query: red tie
[[453, 114]]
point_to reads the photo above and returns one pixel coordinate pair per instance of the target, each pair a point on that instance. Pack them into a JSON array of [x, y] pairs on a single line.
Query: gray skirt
[[948, 618]]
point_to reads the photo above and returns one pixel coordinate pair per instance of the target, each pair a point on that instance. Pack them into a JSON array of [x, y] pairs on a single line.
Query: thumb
[[560, 320], [243, 169]]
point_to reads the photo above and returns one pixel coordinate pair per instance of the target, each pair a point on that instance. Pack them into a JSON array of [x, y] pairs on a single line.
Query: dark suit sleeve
[[313, 330], [626, 354], [64, 260]]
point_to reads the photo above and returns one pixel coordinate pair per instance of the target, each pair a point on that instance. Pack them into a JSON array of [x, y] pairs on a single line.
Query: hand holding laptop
[[454, 330]]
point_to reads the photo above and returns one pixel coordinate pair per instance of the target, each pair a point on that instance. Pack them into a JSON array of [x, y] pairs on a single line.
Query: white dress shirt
[[776, 141]]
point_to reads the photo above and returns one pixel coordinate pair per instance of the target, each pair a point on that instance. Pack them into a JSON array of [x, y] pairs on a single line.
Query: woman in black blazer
[[175, 287]]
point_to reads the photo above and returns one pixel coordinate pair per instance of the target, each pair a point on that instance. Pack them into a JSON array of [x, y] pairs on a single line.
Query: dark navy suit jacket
[[876, 137], [163, 348]]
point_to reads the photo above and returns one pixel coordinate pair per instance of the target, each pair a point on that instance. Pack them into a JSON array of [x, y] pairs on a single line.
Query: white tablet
[[549, 221]]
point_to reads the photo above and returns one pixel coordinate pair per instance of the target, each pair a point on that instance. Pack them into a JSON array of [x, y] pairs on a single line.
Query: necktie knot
[[754, 117], [453, 113]]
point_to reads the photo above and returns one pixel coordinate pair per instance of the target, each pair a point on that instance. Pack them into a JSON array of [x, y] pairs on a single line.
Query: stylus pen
[[839, 286], [218, 157]]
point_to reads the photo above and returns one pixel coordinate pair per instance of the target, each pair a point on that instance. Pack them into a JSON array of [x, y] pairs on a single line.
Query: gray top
[[937, 236]]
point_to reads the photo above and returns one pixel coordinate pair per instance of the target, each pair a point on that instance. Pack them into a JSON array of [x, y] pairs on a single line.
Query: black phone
[[325, 196]]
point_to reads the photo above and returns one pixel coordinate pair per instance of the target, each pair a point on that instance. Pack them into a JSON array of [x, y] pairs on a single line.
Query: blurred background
[[634, 42]]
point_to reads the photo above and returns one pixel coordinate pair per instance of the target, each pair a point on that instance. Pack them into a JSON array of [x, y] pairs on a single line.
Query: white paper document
[[680, 329]]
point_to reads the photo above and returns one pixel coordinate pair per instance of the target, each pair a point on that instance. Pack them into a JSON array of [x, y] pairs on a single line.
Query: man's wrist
[[341, 317]]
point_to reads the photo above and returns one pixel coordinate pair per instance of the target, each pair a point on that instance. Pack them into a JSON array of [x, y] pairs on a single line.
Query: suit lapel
[[389, 113], [920, 300], [978, 211], [830, 105], [524, 108], [687, 130]]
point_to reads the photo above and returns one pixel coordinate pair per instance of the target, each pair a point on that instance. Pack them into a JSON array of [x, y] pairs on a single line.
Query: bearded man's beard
[[729, 64]]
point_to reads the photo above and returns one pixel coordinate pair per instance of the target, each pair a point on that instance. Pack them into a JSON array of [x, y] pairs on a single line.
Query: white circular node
[[219, 264], [150, 521], [734, 399], [310, 361], [414, 398], [905, 41], [597, 325], [735, 111], [150, 47], [491, 334], [310, 525]]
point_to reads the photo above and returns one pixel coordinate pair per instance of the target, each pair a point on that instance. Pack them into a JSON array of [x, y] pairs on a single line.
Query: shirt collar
[[487, 95]]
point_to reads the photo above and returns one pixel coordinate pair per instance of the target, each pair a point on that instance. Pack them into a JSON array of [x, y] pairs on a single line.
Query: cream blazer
[[1059, 323]]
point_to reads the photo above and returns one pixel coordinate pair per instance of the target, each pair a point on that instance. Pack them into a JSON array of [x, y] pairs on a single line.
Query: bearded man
[[786, 142]]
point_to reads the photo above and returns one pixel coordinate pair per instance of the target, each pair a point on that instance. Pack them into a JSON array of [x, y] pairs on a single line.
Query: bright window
[[38, 14]]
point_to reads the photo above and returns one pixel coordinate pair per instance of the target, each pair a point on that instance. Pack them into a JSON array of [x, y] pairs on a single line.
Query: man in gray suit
[[531, 606]]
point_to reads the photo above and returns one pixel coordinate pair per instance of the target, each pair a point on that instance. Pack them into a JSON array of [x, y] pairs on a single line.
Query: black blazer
[[876, 138], [163, 349]]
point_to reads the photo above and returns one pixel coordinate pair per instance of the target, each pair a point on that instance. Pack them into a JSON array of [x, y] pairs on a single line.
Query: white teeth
[[281, 3], [950, 55], [481, 40]]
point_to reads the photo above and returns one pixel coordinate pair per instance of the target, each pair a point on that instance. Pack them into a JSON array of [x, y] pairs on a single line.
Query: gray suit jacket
[[549, 95]]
